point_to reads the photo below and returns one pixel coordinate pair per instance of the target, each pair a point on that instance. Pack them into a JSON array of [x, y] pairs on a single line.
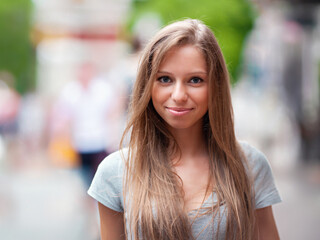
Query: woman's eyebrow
[[190, 73], [164, 72], [199, 72]]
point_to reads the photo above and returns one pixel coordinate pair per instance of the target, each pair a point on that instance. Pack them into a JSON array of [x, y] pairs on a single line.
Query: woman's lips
[[178, 111]]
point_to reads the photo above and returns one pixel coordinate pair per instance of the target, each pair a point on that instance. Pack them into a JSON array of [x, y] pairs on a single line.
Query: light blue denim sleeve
[[106, 186], [266, 192]]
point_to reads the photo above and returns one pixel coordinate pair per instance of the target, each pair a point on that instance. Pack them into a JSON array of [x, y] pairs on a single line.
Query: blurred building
[[67, 32], [302, 75], [281, 71]]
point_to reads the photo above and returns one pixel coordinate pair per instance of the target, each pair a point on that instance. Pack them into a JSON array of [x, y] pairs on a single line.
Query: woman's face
[[180, 90]]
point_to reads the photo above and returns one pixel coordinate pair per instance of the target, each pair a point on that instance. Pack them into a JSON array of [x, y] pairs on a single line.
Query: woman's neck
[[191, 143]]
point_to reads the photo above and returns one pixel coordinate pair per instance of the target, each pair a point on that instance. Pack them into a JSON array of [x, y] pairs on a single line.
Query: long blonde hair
[[152, 191]]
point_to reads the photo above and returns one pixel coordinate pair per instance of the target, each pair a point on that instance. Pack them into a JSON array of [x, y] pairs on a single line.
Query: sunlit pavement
[[40, 202], [298, 216]]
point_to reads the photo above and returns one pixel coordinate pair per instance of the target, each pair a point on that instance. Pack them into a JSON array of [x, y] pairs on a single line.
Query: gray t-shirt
[[107, 187]]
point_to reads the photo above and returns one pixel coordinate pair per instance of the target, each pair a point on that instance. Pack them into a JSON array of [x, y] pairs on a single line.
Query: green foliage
[[230, 20], [16, 53]]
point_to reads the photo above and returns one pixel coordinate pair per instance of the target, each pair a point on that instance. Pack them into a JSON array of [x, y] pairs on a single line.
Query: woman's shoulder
[[258, 164], [106, 186], [114, 161], [256, 159], [260, 170]]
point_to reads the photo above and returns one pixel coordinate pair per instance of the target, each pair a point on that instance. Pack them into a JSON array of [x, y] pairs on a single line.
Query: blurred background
[[66, 72]]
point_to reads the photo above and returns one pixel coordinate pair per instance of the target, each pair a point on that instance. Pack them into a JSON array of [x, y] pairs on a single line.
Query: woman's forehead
[[161, 54]]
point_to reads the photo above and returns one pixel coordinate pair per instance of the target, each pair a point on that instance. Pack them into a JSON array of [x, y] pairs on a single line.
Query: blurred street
[[298, 216], [41, 201]]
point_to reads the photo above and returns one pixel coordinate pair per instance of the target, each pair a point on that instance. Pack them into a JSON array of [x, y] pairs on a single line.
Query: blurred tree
[[230, 20], [16, 54]]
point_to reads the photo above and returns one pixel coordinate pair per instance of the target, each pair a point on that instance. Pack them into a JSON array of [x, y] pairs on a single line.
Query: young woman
[[184, 175]]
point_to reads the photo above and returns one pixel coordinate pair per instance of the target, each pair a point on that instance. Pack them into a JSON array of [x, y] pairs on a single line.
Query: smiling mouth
[[178, 111]]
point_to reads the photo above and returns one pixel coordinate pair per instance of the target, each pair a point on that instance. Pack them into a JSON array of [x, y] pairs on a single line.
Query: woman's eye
[[164, 79], [196, 80]]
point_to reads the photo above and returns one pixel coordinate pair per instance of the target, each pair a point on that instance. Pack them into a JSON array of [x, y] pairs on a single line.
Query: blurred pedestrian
[[83, 112], [9, 108], [184, 174]]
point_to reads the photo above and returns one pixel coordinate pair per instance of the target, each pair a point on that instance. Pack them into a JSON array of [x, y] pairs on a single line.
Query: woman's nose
[[179, 92]]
